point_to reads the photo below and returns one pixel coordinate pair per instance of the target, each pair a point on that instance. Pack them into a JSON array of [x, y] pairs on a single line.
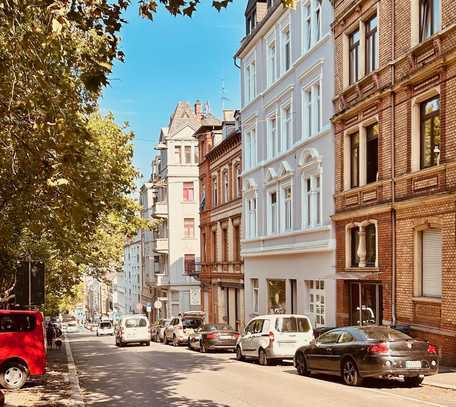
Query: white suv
[[179, 329], [274, 337]]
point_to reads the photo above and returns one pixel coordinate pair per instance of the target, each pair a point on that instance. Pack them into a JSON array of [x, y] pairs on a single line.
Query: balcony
[[195, 271], [162, 280], [160, 210], [160, 245]]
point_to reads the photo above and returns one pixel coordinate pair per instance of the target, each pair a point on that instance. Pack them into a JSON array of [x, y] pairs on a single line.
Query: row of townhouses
[[331, 192]]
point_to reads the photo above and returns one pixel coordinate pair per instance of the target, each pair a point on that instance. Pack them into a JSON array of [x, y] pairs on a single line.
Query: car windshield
[[193, 323], [384, 334], [217, 327], [135, 323], [292, 324], [105, 325]]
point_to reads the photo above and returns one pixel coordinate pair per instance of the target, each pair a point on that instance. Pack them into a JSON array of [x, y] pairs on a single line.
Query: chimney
[[198, 108]]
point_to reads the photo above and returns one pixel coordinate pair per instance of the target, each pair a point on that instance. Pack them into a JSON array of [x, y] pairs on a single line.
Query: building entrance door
[[366, 303]]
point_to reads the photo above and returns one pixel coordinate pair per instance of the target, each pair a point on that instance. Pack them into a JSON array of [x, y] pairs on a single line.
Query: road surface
[[163, 376]]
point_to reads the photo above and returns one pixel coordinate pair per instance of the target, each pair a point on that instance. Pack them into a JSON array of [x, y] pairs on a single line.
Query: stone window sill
[[427, 299]]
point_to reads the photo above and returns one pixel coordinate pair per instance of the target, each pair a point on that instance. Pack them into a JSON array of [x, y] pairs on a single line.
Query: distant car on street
[[22, 347], [213, 337], [133, 329], [372, 351], [274, 337], [72, 327], [105, 328], [157, 330], [179, 329]]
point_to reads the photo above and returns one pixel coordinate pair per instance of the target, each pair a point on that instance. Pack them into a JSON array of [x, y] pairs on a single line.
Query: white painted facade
[[127, 294], [174, 200], [288, 179]]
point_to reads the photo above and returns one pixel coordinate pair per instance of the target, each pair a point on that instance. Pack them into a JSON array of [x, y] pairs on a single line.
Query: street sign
[[29, 288], [157, 304]]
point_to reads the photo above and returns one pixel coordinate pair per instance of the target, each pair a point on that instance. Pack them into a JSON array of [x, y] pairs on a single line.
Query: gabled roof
[[183, 116]]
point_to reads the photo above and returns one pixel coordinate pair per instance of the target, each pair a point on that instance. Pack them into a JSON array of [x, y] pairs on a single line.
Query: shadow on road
[[372, 383], [137, 376]]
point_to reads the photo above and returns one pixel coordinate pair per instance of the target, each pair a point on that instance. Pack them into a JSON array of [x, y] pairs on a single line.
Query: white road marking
[[73, 377]]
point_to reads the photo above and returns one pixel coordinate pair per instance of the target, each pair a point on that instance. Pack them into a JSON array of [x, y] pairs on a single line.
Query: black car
[[371, 351], [213, 337]]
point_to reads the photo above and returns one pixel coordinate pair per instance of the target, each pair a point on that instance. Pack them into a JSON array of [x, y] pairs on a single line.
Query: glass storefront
[[277, 297]]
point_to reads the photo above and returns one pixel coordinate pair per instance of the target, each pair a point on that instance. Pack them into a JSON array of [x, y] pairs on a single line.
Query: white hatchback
[[105, 328], [274, 337], [133, 329]]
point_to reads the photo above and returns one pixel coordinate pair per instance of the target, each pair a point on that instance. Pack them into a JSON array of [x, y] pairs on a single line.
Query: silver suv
[[179, 329], [274, 337]]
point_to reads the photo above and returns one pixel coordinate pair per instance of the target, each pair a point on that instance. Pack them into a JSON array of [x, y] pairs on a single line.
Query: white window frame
[[250, 85], [250, 151], [251, 220], [271, 59], [309, 20], [273, 228], [255, 295], [312, 109], [286, 137], [273, 147], [283, 211], [285, 38]]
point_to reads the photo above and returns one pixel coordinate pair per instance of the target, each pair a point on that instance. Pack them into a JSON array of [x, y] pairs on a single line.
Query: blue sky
[[172, 59]]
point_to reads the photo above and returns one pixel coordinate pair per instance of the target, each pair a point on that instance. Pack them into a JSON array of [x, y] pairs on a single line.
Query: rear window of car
[[384, 334], [292, 324], [105, 325], [193, 323], [17, 323], [135, 323]]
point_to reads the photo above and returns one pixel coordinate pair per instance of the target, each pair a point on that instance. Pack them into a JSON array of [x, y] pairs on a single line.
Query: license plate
[[413, 364]]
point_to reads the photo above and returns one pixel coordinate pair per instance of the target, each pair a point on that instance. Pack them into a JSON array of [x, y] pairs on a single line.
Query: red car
[[22, 347]]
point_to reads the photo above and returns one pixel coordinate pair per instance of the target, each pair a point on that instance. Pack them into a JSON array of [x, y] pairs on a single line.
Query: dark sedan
[[214, 337], [372, 351]]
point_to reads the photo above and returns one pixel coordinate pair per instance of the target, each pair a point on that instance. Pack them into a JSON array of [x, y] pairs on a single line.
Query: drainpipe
[[393, 170]]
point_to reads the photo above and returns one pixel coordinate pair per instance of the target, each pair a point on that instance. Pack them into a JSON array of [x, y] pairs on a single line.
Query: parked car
[[372, 351], [22, 347], [213, 337], [157, 330], [133, 329], [72, 327], [105, 328], [274, 337], [179, 329]]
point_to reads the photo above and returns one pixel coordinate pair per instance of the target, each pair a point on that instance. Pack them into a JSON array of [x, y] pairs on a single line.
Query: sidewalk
[[52, 391], [445, 379]]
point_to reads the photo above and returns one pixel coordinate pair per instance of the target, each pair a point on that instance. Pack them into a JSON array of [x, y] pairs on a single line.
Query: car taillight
[[271, 337], [236, 334], [212, 335], [432, 349], [378, 348]]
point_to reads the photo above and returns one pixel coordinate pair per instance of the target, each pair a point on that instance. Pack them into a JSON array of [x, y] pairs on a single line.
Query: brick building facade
[[221, 275], [396, 165]]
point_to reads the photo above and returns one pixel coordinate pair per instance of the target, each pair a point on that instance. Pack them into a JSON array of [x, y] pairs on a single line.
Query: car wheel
[[262, 358], [413, 381], [147, 343], [239, 355], [175, 342], [350, 373], [13, 376], [301, 364]]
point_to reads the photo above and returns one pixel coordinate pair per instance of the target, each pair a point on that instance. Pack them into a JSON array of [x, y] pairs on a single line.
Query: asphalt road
[[161, 375]]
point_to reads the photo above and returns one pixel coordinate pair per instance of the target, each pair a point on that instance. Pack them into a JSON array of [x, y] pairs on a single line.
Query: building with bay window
[[221, 276], [287, 77], [395, 164], [171, 252]]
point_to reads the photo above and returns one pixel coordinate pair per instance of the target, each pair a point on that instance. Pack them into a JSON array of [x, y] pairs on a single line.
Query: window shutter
[[432, 263]]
